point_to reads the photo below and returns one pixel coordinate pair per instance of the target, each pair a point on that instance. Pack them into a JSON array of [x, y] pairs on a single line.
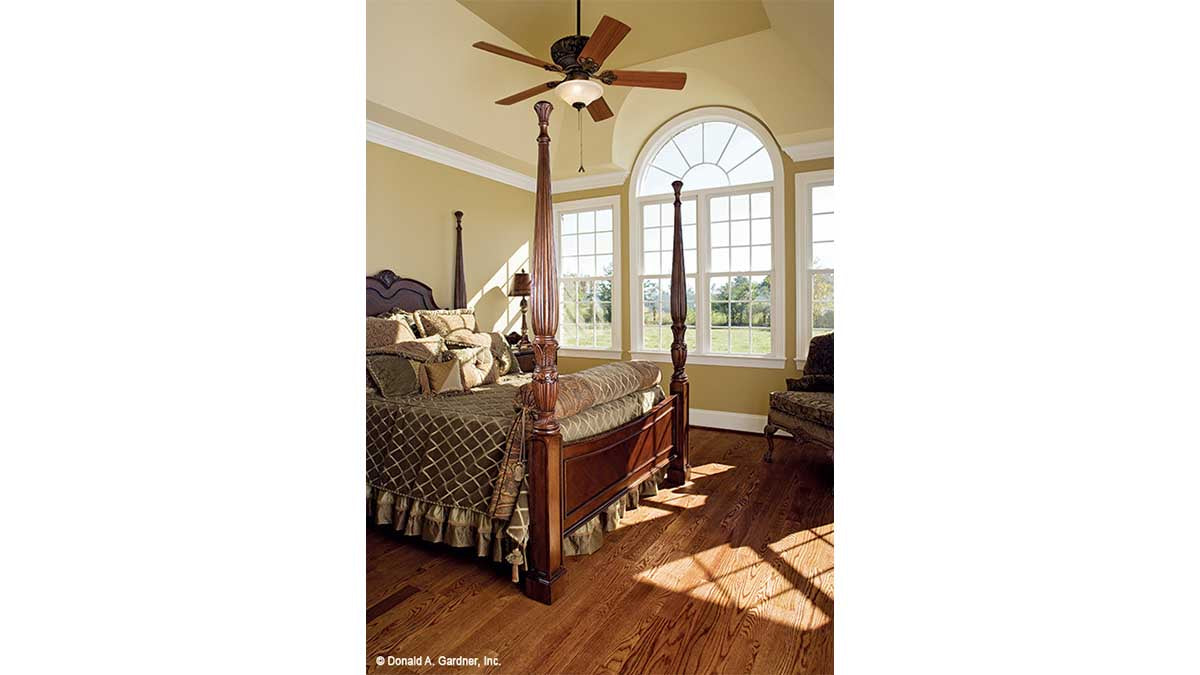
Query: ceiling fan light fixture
[[579, 93]]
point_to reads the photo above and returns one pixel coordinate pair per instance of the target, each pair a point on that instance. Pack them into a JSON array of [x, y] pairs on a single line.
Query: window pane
[[570, 266], [667, 236], [718, 288], [570, 245], [604, 242], [739, 340], [760, 205], [587, 243], [762, 232], [587, 266], [667, 257], [762, 287], [691, 143], [823, 256], [604, 220], [756, 169], [739, 258], [703, 176], [720, 260], [739, 233], [823, 227], [719, 339], [668, 159], [718, 208], [689, 236], [655, 182], [719, 235], [740, 289], [568, 333], [587, 222], [720, 314], [716, 136], [760, 340], [741, 145], [822, 199], [650, 215], [568, 223], [739, 207], [822, 295], [650, 263], [689, 212], [689, 261], [760, 258], [604, 265], [569, 315], [760, 314]]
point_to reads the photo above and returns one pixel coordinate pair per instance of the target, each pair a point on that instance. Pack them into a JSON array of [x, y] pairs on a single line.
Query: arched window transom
[[708, 155]]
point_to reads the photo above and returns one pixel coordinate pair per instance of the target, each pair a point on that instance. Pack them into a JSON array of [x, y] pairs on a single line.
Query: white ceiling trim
[[589, 182], [414, 145], [805, 151]]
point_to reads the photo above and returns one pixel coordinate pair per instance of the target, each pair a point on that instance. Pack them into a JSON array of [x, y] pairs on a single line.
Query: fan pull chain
[[580, 111]]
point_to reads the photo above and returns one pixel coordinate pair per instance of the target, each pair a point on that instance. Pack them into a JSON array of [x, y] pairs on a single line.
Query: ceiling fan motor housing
[[565, 52]]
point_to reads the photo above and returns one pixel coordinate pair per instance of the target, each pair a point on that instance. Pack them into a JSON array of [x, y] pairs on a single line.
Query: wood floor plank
[[731, 573]]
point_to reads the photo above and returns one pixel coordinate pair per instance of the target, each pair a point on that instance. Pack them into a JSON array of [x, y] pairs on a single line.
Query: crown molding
[[805, 151], [589, 182], [414, 145]]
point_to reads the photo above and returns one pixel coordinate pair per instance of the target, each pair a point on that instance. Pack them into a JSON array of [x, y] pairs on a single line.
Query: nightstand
[[525, 358]]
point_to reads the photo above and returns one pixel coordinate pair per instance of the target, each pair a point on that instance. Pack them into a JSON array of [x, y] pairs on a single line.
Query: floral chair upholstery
[[805, 410]]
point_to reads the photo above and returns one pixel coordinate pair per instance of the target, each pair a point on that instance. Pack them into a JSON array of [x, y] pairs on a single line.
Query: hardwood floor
[[730, 573]]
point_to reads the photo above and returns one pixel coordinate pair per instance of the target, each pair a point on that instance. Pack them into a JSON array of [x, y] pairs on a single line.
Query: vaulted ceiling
[[770, 58]]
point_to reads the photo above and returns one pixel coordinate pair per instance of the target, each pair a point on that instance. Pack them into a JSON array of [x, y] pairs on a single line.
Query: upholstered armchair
[[805, 410]]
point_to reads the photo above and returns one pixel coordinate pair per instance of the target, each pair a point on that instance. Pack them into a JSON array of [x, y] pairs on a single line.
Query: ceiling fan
[[579, 57]]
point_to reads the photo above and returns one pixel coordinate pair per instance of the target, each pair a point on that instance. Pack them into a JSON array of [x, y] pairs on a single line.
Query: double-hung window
[[589, 260], [815, 235], [731, 212]]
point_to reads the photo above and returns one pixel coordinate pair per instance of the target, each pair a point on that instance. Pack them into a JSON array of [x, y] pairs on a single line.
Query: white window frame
[[702, 356], [805, 182], [611, 202]]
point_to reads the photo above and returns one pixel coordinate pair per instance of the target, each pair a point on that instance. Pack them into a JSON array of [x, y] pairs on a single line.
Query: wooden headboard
[[386, 291]]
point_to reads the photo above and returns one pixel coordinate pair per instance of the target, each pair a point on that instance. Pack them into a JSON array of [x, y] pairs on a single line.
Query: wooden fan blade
[[599, 110], [522, 95], [644, 78], [533, 61], [608, 34]]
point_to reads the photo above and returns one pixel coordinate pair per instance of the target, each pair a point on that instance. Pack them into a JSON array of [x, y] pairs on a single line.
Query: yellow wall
[[410, 230], [724, 388]]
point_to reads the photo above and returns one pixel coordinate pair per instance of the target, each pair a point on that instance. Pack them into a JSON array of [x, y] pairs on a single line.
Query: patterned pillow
[[393, 375], [445, 322], [382, 332], [441, 377], [397, 314], [478, 366], [506, 363], [422, 350]]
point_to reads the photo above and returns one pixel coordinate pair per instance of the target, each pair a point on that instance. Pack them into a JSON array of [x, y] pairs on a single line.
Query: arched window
[[732, 208]]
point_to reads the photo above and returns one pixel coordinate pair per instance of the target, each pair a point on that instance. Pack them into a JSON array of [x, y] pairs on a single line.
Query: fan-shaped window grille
[[708, 155]]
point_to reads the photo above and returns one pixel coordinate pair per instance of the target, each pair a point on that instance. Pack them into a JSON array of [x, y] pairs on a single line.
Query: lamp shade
[[520, 285], [581, 92]]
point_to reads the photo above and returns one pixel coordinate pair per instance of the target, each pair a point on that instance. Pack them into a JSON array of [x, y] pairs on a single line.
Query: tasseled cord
[[516, 557]]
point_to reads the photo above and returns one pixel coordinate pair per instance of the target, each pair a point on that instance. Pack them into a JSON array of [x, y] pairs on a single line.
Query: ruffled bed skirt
[[463, 528]]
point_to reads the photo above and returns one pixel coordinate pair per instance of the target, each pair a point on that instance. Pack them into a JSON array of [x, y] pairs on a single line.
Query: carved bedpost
[[460, 279], [680, 469], [544, 581]]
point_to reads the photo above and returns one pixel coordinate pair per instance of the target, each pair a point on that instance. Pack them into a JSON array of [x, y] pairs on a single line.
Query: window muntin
[[586, 270], [707, 155]]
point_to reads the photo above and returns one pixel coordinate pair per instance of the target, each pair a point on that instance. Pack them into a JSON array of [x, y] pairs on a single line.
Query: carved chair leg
[[769, 432]]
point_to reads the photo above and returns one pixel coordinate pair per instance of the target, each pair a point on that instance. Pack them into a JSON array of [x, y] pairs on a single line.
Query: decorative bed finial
[[543, 108]]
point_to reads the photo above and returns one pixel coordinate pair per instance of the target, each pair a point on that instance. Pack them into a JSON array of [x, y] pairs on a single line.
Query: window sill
[[582, 353], [773, 362]]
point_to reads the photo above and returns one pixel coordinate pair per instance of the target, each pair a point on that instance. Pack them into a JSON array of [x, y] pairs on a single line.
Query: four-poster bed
[[570, 482]]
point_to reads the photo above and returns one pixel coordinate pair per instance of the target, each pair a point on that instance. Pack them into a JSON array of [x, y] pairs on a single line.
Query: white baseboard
[[719, 419]]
